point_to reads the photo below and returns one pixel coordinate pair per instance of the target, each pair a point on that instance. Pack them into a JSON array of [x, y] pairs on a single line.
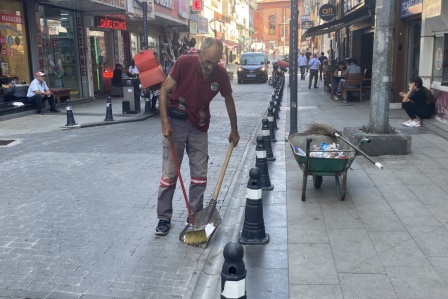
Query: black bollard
[[109, 116], [70, 117], [147, 102], [265, 132], [262, 163], [274, 113], [233, 274], [253, 231], [271, 120], [274, 110]]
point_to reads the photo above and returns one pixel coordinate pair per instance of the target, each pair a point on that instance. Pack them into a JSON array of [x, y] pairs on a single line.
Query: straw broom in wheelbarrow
[[324, 129], [205, 222]]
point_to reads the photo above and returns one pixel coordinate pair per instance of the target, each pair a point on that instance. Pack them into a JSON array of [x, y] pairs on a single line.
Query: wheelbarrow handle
[[377, 164]]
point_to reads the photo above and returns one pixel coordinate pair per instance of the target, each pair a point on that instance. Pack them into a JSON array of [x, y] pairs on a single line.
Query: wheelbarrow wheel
[[317, 181], [341, 190]]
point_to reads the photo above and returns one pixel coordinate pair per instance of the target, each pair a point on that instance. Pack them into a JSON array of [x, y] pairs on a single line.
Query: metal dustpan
[[207, 220]]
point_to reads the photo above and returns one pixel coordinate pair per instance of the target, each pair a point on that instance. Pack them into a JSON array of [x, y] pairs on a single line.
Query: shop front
[[433, 67], [58, 48], [14, 56]]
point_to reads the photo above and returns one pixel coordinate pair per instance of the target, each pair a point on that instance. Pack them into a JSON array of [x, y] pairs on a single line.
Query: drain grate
[[5, 142]]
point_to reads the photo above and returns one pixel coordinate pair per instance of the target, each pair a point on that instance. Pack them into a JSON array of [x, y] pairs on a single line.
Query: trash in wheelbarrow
[[325, 150]]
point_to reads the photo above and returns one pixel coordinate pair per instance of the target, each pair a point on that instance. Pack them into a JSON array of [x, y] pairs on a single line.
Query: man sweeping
[[185, 99]]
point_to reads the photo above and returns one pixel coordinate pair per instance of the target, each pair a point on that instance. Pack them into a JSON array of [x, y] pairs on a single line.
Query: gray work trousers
[[195, 142]]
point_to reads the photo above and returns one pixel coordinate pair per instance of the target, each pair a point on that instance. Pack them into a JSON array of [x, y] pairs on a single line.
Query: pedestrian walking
[[185, 97], [302, 65], [322, 58], [313, 65]]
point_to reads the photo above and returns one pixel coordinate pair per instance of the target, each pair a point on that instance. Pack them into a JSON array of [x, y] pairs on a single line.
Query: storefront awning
[[357, 16]]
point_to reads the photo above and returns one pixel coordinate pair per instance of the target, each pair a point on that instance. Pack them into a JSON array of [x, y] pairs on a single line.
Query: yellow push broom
[[207, 220]]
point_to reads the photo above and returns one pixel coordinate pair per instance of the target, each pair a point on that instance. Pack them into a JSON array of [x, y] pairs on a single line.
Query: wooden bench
[[60, 94]]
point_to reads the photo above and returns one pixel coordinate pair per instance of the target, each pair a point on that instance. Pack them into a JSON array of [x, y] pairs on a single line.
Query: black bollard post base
[[245, 241]]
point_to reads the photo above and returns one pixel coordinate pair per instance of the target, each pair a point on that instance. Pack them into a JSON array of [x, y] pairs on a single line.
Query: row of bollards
[[233, 275], [109, 116]]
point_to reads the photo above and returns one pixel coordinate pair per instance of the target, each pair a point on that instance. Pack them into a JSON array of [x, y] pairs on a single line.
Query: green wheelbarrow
[[312, 164]]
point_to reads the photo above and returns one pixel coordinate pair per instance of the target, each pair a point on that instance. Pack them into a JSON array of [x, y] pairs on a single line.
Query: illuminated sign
[[197, 5], [104, 22]]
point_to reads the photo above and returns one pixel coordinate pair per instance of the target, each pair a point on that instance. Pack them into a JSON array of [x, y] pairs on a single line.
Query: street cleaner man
[[193, 82]]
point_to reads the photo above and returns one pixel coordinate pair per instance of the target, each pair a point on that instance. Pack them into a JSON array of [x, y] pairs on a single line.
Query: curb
[[105, 123], [205, 284]]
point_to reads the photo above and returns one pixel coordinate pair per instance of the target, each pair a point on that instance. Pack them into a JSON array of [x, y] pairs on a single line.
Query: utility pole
[[143, 4], [293, 44], [382, 68]]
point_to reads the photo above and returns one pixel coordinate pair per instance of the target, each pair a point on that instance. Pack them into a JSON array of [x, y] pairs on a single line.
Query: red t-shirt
[[194, 93]]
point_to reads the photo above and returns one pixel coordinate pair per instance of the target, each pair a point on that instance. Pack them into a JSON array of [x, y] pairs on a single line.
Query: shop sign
[[193, 27], [306, 18], [439, 59], [8, 18], [202, 24], [433, 8], [327, 12], [165, 3], [103, 22], [183, 9], [410, 7], [114, 3], [307, 24], [81, 46]]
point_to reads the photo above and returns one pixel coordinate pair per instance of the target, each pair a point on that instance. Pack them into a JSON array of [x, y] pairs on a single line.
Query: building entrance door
[[101, 53], [414, 32]]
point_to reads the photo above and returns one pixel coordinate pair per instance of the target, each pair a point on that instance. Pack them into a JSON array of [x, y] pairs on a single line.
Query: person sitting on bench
[[14, 93], [39, 92]]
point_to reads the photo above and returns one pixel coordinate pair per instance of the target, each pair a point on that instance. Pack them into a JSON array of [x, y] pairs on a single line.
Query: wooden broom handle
[[221, 175]]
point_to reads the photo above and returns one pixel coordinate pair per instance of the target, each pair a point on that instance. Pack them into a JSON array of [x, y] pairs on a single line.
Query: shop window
[[440, 68], [14, 63], [57, 53]]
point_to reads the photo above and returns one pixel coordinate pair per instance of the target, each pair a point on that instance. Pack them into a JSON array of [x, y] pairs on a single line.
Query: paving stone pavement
[[77, 211]]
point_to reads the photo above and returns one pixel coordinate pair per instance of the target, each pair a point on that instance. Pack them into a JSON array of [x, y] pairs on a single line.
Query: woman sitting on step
[[418, 102]]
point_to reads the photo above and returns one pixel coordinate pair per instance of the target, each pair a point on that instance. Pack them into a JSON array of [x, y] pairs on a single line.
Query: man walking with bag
[[314, 71]]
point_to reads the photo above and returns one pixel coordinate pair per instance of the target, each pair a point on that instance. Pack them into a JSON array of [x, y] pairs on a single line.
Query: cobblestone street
[[78, 207]]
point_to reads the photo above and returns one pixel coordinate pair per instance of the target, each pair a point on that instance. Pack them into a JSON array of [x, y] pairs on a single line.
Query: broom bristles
[[195, 237], [321, 129]]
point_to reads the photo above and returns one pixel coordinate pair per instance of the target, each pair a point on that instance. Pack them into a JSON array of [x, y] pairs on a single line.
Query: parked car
[[253, 67]]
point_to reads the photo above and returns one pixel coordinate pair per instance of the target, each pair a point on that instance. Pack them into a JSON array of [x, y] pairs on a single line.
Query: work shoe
[[414, 124], [407, 122], [163, 228], [55, 110]]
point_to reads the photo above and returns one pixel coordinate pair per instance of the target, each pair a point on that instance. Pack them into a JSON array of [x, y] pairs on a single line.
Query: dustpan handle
[[221, 175]]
